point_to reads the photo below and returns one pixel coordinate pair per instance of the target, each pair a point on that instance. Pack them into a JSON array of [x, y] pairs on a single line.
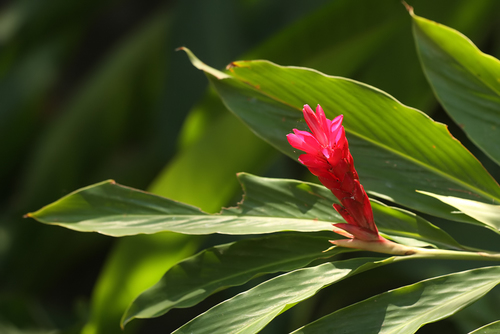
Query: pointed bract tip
[[307, 108], [180, 48], [28, 215]]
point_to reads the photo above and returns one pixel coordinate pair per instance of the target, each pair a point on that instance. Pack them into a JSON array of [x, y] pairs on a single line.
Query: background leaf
[[135, 264], [465, 80], [492, 328]]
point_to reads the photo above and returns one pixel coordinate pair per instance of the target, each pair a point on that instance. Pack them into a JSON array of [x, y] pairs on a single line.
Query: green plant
[[401, 155]]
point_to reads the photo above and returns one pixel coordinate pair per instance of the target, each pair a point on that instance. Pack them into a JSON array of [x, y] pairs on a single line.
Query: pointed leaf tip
[[201, 65], [408, 8]]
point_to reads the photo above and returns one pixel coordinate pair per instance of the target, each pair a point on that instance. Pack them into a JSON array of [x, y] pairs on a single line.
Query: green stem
[[454, 255], [388, 247]]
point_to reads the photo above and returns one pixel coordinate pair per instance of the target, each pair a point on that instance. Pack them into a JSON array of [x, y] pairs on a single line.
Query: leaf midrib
[[213, 217]]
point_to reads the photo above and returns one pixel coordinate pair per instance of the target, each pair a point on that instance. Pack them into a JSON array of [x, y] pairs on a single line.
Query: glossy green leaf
[[373, 45], [250, 311], [487, 214], [406, 309], [402, 226], [117, 210], [269, 205], [396, 149], [217, 268], [492, 328], [465, 80]]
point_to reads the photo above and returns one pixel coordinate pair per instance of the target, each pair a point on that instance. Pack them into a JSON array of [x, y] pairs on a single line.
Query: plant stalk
[[388, 247]]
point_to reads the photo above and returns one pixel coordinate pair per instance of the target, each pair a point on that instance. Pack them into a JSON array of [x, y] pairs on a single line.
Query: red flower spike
[[328, 157]]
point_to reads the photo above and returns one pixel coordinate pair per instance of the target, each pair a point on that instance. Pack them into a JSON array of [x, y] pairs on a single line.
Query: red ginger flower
[[327, 156]]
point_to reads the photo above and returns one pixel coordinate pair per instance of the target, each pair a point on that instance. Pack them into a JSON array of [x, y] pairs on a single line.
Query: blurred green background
[[93, 90]]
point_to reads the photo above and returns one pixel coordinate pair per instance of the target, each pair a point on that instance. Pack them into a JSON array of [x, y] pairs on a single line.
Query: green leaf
[[270, 205], [396, 149], [487, 214], [403, 226], [492, 328], [406, 309], [116, 210], [465, 80], [250, 311], [217, 268]]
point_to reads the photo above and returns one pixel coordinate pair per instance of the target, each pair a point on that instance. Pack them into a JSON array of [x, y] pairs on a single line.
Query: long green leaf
[[492, 328], [487, 214], [406, 309], [217, 268], [250, 311], [403, 226], [269, 205], [117, 210], [465, 80], [396, 149]]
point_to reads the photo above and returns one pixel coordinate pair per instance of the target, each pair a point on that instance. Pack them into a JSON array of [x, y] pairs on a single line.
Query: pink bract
[[328, 157]]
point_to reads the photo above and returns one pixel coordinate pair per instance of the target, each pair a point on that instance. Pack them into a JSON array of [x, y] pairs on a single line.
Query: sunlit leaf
[[269, 205], [118, 211], [465, 80], [217, 268], [250, 311], [396, 149], [406, 309], [487, 214]]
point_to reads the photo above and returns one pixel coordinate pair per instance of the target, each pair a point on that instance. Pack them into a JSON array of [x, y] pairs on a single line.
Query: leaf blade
[[397, 149], [465, 80], [217, 268], [250, 311], [406, 309], [269, 205], [487, 214], [491, 328]]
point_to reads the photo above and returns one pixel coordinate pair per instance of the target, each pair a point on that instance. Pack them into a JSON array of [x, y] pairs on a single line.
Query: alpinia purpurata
[[327, 156]]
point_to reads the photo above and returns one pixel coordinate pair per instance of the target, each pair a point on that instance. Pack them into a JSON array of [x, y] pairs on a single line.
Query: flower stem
[[444, 254], [388, 247]]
